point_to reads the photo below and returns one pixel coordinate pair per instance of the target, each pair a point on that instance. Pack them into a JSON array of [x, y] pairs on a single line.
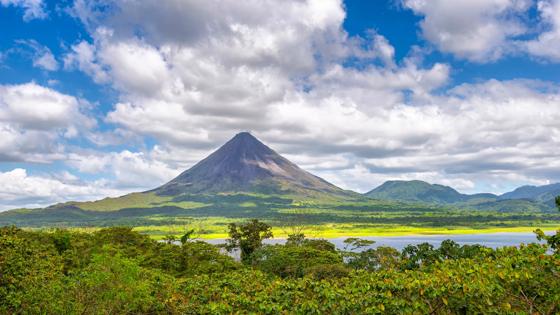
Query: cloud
[[119, 172], [196, 90], [124, 58], [19, 189], [477, 30], [191, 74], [34, 120], [33, 9], [83, 57], [547, 44], [294, 78], [136, 170], [41, 55], [46, 61]]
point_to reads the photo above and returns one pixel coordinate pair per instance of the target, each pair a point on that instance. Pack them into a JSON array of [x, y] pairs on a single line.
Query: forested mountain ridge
[[526, 198], [244, 178], [119, 271], [544, 194], [420, 191]]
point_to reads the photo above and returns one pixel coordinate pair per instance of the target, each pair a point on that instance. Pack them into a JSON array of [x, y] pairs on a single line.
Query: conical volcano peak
[[245, 135], [245, 142], [244, 138], [245, 164]]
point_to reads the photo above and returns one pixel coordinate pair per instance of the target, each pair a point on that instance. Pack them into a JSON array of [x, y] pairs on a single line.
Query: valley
[[245, 179]]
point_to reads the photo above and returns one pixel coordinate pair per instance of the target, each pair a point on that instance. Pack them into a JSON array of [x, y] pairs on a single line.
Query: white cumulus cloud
[[34, 119], [547, 44], [478, 30], [32, 9], [19, 189]]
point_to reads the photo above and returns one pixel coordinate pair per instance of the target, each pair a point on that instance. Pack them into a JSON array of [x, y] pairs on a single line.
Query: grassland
[[207, 230], [134, 200], [159, 216], [347, 230]]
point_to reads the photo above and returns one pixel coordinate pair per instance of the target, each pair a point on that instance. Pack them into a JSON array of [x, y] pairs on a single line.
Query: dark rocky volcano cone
[[244, 164]]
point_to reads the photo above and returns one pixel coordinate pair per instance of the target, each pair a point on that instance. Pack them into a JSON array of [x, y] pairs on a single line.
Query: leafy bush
[[248, 237], [116, 271], [292, 261], [28, 270], [523, 280], [112, 284]]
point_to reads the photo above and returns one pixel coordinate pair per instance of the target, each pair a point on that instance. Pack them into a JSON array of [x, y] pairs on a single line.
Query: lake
[[493, 240]]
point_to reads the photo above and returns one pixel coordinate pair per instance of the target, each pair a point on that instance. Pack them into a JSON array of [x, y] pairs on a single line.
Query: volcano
[[243, 178], [245, 164]]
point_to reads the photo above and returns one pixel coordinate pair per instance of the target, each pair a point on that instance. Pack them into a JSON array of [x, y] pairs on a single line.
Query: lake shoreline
[[426, 233]]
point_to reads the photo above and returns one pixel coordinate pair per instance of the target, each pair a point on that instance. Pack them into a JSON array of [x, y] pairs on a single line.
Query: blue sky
[[99, 98]]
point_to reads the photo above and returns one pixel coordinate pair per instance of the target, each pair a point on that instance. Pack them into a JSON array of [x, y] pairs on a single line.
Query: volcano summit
[[244, 164]]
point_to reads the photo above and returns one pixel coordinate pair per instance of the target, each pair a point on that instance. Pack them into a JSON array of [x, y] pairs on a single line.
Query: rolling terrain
[[246, 179], [524, 199]]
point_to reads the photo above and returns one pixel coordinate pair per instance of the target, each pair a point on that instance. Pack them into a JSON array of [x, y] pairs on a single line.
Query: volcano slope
[[245, 179]]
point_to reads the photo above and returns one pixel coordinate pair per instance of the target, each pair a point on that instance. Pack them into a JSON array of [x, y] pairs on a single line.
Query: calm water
[[493, 240]]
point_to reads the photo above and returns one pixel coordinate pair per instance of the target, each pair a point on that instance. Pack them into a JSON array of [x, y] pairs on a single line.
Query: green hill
[[420, 191], [243, 178], [543, 194], [246, 179]]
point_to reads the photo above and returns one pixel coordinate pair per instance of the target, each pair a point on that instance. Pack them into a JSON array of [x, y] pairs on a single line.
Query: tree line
[[116, 270]]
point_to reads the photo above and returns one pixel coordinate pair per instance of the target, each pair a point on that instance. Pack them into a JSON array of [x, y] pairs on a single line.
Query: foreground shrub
[[29, 270], [113, 284], [72, 273], [521, 280], [293, 261]]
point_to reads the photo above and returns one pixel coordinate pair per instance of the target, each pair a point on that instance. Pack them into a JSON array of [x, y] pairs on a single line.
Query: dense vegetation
[[521, 199], [244, 179], [116, 270], [324, 218]]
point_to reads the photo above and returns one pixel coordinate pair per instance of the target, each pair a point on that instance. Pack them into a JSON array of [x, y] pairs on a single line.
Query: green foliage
[[203, 258], [357, 243], [324, 217], [28, 267], [380, 258], [319, 244], [424, 254], [358, 257], [292, 260], [553, 241], [169, 239], [248, 237], [187, 236], [295, 239], [416, 191], [118, 271], [112, 284], [134, 200], [514, 281]]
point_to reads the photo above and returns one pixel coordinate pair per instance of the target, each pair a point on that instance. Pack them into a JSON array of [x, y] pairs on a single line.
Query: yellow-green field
[[162, 216], [213, 229]]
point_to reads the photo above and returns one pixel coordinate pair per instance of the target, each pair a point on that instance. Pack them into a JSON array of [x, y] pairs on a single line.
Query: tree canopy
[[117, 270]]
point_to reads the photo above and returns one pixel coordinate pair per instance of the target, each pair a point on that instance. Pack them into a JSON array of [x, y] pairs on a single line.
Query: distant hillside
[[523, 199], [242, 177], [544, 194], [420, 191], [511, 205]]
